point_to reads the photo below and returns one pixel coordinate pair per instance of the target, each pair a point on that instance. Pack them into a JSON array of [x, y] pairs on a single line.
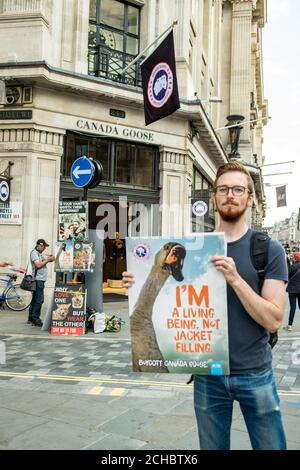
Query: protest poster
[[178, 305], [63, 256], [68, 314], [72, 221], [84, 256]]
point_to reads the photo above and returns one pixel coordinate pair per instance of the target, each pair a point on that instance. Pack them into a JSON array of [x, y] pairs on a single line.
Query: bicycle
[[15, 298]]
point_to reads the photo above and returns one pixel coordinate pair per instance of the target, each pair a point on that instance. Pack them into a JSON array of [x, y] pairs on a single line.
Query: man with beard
[[251, 316]]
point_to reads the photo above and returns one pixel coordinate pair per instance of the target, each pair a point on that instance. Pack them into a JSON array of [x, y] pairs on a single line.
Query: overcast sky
[[281, 59]]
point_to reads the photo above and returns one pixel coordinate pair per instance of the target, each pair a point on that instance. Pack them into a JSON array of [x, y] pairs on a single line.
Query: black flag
[[281, 196], [160, 82]]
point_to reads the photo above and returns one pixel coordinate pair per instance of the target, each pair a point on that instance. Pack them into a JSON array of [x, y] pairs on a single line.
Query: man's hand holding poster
[[178, 305]]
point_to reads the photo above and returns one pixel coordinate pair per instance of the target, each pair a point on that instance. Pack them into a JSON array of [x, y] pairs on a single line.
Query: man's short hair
[[234, 166]]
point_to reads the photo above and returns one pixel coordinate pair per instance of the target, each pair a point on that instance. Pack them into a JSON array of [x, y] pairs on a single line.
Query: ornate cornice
[[259, 8], [253, 2]]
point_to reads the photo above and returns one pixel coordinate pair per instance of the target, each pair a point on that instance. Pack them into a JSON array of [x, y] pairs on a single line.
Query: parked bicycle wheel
[[17, 299]]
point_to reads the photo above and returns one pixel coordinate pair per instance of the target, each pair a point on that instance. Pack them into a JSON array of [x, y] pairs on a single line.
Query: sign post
[[5, 179]]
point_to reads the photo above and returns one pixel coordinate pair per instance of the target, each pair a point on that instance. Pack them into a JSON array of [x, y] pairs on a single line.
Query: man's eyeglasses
[[223, 190]]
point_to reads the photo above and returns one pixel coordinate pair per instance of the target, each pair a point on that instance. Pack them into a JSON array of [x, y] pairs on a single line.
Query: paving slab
[[55, 436], [14, 423], [113, 442], [129, 423], [62, 414], [166, 430]]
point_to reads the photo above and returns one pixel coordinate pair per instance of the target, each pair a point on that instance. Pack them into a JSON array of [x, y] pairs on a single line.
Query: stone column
[[36, 155], [175, 179], [241, 61]]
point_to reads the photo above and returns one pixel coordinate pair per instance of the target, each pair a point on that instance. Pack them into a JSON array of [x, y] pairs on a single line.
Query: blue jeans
[[259, 403], [37, 301], [293, 298]]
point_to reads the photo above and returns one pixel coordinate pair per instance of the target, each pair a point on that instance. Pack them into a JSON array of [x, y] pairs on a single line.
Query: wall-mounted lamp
[[193, 133], [234, 128]]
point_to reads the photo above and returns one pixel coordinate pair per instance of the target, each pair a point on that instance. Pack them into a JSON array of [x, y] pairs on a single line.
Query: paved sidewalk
[[80, 393]]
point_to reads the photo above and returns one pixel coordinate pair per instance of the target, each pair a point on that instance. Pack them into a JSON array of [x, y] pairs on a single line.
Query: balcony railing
[[108, 63]]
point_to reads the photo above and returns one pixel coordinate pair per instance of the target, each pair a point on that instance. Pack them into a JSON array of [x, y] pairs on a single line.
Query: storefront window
[[144, 166], [78, 146], [123, 162], [134, 165], [202, 191], [197, 180]]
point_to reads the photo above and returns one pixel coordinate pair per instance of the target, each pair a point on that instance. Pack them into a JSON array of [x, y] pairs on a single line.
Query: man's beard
[[232, 213]]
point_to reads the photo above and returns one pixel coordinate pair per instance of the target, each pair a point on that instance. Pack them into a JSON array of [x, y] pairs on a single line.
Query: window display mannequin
[[118, 249]]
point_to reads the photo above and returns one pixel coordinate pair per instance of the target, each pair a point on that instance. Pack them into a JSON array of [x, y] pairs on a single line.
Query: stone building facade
[[65, 97]]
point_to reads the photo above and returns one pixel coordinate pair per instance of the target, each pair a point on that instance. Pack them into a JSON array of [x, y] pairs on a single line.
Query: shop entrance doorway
[[111, 217]]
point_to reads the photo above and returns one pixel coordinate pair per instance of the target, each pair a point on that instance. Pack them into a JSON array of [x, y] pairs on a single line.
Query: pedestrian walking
[[293, 289], [39, 269], [252, 315]]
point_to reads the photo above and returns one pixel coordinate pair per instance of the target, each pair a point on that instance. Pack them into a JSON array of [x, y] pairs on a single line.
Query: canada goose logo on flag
[[160, 82]]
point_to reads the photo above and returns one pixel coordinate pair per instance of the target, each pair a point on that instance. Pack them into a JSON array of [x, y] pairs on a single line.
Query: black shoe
[[37, 322]]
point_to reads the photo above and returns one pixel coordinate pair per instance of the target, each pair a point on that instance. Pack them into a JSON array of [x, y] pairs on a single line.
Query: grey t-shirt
[[249, 349], [41, 273]]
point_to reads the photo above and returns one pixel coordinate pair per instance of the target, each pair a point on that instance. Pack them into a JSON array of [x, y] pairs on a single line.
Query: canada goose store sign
[[117, 131]]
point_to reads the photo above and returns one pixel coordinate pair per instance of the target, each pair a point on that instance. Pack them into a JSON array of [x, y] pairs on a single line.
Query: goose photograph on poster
[[178, 305]]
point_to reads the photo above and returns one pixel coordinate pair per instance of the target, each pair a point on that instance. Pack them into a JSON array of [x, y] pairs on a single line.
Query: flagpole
[[148, 47], [242, 123]]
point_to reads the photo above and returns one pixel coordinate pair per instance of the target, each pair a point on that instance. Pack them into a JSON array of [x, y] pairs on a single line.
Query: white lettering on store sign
[[116, 131]]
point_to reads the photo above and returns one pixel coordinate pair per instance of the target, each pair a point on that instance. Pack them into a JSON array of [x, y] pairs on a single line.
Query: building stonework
[[61, 67]]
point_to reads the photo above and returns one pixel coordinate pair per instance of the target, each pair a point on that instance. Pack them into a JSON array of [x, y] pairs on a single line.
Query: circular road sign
[[82, 172], [4, 191], [199, 208]]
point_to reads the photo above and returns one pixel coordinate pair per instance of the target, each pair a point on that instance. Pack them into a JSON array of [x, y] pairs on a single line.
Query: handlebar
[[11, 276]]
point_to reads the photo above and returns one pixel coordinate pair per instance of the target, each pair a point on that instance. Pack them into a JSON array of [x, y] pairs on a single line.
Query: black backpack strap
[[35, 269], [259, 252]]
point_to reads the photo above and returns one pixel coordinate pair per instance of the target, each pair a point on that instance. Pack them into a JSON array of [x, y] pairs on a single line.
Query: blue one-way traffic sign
[[82, 172]]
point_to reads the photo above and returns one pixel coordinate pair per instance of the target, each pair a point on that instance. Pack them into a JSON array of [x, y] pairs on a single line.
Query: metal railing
[[107, 63]]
